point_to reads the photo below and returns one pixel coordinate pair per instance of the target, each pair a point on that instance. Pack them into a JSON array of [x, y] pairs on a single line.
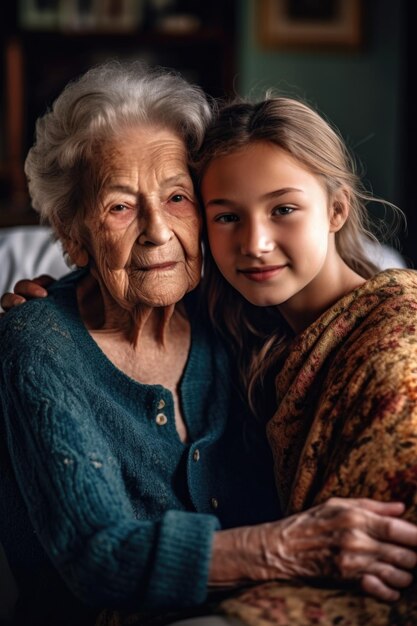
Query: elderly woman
[[127, 457]]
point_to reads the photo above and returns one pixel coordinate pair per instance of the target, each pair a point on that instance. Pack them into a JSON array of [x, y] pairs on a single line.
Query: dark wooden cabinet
[[37, 63]]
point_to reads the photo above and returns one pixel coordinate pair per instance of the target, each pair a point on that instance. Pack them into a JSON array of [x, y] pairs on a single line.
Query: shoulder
[[394, 282], [385, 310], [392, 289], [42, 323], [395, 295]]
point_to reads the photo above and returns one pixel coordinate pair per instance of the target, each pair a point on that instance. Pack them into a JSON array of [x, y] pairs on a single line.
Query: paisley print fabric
[[346, 425]]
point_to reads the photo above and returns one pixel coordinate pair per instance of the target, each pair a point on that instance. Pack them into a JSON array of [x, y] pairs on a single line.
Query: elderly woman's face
[[144, 238]]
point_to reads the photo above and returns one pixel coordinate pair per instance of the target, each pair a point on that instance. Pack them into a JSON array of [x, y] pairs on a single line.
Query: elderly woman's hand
[[341, 540], [25, 290]]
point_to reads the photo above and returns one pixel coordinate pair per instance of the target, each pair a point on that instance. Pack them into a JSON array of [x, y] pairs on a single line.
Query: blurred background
[[351, 59]]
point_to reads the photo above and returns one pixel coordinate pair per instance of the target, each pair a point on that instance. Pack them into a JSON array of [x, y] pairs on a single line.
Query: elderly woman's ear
[[75, 250]]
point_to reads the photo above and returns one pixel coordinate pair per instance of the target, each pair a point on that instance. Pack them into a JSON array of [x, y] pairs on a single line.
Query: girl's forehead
[[252, 153]]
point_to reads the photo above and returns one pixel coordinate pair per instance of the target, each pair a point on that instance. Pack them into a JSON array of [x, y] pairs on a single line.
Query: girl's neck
[[333, 282]]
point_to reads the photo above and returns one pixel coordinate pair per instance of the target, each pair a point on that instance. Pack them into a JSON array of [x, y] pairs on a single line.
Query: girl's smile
[[259, 274], [271, 225]]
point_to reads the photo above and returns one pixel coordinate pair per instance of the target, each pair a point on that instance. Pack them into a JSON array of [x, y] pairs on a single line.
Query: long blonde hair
[[260, 336]]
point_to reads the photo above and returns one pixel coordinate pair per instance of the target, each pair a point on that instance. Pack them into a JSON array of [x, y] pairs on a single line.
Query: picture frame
[[39, 14], [112, 16], [119, 15], [307, 24]]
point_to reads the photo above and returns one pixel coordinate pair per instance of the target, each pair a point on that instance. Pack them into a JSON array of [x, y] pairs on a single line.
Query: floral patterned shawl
[[346, 425]]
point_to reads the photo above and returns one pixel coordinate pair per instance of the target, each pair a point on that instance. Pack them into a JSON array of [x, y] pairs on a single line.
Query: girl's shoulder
[[385, 308], [390, 284]]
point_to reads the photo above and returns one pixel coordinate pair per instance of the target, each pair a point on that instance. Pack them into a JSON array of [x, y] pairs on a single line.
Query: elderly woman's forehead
[[144, 133], [139, 144]]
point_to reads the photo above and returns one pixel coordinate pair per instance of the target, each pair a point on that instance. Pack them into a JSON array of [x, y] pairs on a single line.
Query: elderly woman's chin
[[161, 287], [161, 295]]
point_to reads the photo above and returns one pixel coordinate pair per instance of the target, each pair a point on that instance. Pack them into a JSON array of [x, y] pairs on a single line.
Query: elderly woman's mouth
[[157, 266]]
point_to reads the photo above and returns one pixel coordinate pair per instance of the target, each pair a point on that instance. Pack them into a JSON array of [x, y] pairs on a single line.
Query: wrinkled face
[[268, 223], [143, 238]]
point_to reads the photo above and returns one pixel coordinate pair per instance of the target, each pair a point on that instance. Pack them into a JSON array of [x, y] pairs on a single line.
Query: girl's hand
[[25, 290], [341, 540]]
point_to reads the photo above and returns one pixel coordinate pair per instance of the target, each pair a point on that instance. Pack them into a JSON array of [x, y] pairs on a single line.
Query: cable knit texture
[[93, 483]]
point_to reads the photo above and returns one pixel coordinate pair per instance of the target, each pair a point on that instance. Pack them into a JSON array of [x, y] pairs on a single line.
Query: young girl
[[334, 341], [284, 224]]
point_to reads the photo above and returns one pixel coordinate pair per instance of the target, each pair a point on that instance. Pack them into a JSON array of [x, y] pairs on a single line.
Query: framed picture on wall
[[83, 15], [309, 23], [39, 14]]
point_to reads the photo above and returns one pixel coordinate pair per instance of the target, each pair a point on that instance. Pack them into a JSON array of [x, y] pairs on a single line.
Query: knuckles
[[342, 516]]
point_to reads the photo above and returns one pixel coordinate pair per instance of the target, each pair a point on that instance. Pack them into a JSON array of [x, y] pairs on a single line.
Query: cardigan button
[[196, 455], [160, 405], [161, 419], [214, 503]]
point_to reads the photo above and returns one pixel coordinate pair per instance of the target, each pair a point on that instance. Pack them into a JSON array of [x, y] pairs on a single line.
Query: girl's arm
[[341, 540], [25, 290]]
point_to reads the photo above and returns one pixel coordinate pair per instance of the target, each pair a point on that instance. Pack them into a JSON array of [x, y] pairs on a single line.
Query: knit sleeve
[[76, 499]]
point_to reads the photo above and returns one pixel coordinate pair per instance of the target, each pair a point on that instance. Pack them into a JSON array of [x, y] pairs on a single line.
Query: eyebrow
[[177, 179], [122, 188], [268, 196]]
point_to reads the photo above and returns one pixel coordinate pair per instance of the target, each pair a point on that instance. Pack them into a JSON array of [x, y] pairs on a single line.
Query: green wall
[[359, 91]]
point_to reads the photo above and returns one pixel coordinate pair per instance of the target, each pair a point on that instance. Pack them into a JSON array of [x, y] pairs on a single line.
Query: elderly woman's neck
[[103, 314], [153, 323]]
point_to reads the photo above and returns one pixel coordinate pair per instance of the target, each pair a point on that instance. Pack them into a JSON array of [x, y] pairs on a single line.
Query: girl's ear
[[339, 210]]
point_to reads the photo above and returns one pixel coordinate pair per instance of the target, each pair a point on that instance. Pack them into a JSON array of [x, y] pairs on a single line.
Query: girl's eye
[[227, 218], [283, 210]]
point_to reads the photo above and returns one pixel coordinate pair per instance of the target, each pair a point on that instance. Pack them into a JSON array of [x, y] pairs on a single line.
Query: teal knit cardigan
[[98, 484]]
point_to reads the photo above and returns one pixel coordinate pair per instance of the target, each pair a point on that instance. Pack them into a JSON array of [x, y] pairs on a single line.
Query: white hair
[[89, 112]]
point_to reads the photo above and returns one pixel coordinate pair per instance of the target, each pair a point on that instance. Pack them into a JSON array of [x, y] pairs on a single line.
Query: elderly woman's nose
[[154, 228]]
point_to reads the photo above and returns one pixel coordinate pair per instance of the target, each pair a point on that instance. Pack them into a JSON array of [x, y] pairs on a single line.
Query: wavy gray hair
[[88, 113]]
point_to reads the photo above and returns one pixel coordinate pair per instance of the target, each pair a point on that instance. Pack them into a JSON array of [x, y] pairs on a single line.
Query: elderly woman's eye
[[118, 208], [178, 197]]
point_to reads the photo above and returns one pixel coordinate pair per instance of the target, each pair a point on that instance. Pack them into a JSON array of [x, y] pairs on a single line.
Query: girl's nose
[[257, 240]]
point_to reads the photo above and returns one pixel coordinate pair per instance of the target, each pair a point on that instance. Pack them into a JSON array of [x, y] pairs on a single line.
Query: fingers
[[346, 540], [26, 289], [375, 506], [375, 587], [381, 566], [380, 519], [392, 530], [34, 288], [44, 280], [384, 583], [391, 509], [393, 577], [9, 300]]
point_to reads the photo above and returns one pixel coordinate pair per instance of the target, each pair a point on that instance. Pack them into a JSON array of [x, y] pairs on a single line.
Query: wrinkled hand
[[341, 540], [25, 290]]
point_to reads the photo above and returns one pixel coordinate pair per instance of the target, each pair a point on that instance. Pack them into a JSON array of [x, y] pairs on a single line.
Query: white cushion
[[26, 252], [384, 257]]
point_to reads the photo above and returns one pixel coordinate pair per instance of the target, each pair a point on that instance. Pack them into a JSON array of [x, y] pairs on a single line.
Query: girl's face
[[270, 226]]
